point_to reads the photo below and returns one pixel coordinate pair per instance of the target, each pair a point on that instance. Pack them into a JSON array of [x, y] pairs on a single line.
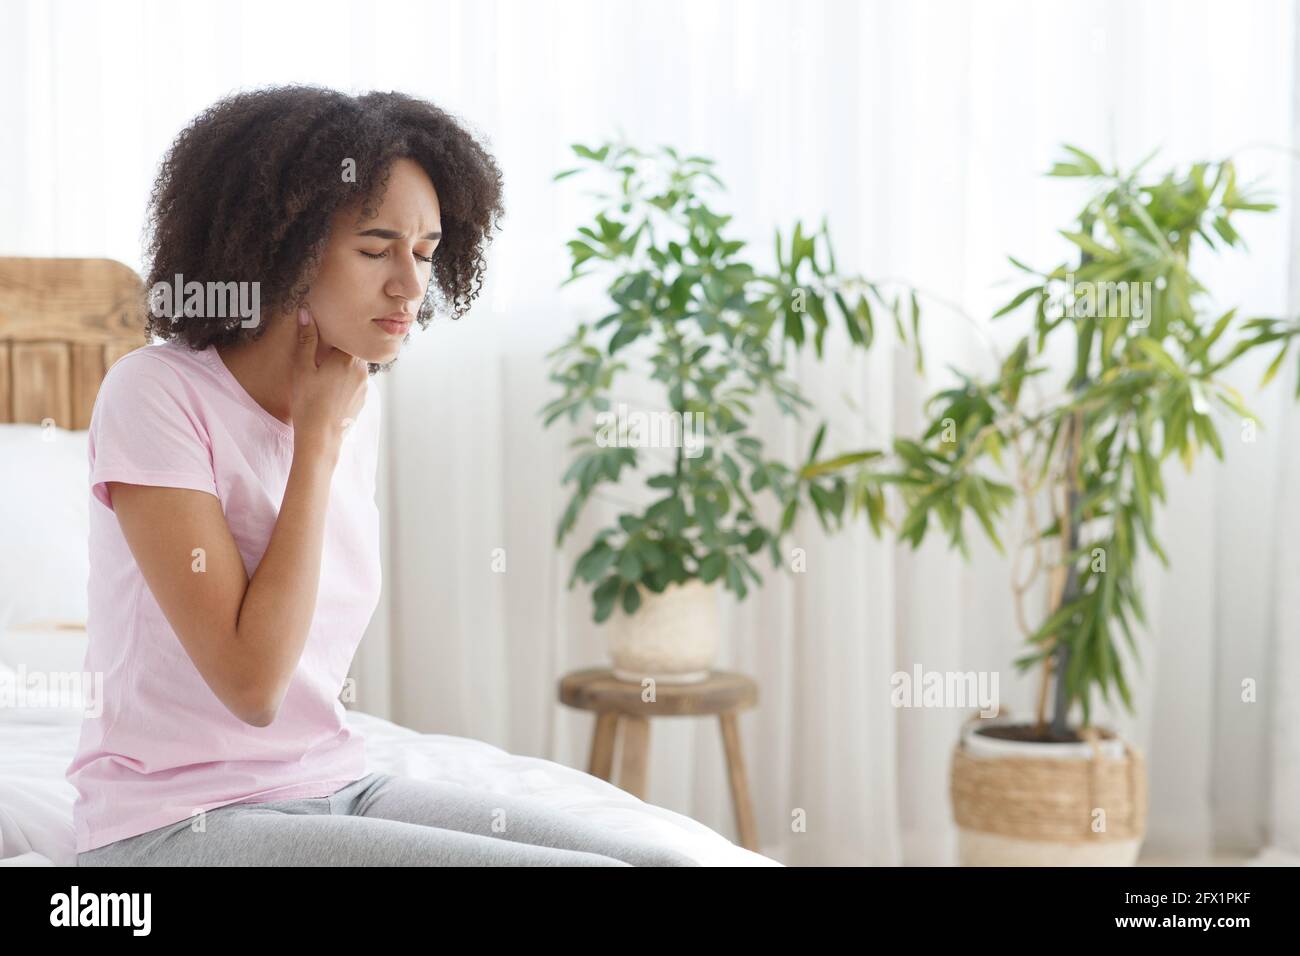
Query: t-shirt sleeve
[[146, 430]]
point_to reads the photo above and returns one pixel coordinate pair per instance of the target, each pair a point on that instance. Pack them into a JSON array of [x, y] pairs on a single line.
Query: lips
[[394, 326]]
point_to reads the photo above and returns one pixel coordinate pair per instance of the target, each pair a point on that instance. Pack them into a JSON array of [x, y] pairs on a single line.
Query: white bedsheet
[[36, 800]]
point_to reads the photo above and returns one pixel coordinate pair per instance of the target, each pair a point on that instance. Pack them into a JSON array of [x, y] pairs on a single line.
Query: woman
[[234, 537]]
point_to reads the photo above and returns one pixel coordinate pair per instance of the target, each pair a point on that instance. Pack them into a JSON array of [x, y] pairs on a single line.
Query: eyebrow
[[394, 234]]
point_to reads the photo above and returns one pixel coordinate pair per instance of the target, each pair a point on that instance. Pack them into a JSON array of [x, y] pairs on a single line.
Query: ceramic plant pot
[[672, 638]]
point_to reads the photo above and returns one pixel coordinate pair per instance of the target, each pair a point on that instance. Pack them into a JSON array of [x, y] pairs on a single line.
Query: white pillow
[[45, 522]]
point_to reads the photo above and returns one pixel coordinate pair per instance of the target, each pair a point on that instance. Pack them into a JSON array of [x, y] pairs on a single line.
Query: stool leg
[[602, 745], [636, 751], [739, 784]]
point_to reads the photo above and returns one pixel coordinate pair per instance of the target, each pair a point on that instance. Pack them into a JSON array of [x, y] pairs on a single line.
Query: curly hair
[[248, 189]]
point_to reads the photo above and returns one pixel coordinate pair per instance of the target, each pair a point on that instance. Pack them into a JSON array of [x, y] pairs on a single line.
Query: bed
[[37, 741], [63, 322]]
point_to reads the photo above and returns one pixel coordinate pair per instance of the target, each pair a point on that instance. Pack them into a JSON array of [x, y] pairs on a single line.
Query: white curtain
[[922, 131], [1281, 653]]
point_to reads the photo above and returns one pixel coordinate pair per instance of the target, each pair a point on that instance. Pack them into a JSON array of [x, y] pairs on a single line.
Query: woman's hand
[[327, 397]]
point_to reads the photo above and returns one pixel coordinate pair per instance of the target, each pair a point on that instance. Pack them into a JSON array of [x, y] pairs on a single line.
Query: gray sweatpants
[[386, 820]]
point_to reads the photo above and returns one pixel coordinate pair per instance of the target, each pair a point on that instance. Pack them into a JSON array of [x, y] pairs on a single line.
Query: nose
[[404, 281]]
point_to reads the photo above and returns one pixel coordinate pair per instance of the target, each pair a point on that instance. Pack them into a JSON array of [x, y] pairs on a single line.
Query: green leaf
[[712, 566], [626, 334], [604, 597], [863, 312], [816, 443], [1020, 299], [839, 462], [598, 155], [916, 333], [735, 582], [629, 566], [730, 468], [1088, 244], [794, 326], [1085, 161], [1274, 366], [631, 599], [594, 563], [1067, 169], [787, 516], [1158, 355]]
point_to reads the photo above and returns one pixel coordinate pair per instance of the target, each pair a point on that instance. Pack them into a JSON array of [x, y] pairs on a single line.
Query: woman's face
[[378, 268]]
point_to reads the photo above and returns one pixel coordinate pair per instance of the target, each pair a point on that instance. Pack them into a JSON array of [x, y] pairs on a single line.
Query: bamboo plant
[[1086, 457]]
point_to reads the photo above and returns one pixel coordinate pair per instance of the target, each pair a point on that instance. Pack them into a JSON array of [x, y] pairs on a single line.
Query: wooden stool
[[618, 703]]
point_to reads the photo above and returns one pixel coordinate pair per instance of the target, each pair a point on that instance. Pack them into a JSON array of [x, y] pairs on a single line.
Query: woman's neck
[[264, 366]]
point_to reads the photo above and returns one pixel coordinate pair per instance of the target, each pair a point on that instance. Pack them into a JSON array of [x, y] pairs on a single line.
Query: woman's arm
[[245, 635]]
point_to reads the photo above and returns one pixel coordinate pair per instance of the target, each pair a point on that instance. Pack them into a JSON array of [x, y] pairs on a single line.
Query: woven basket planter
[[1019, 808]]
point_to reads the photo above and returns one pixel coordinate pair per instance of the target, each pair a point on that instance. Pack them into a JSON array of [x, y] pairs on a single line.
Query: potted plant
[[710, 333], [1084, 455]]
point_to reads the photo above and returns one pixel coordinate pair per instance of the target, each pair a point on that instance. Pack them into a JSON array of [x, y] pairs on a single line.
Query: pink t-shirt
[[165, 746]]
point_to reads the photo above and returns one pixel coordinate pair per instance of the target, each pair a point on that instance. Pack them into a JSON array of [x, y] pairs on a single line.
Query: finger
[[307, 336]]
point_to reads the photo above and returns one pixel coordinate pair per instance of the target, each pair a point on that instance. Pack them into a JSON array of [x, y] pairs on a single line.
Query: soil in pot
[[1029, 734]]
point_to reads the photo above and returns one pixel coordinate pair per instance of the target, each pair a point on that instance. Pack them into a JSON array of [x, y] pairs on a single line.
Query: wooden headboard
[[63, 323]]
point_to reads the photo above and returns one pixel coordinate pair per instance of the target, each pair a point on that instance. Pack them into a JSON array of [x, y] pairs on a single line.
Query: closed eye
[[384, 254]]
